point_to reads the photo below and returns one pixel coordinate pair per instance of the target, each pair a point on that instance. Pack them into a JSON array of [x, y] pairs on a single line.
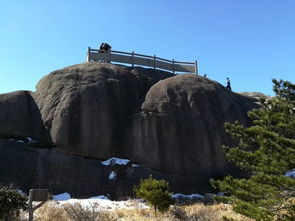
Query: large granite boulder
[[20, 118], [29, 167], [85, 107], [180, 128], [170, 125]]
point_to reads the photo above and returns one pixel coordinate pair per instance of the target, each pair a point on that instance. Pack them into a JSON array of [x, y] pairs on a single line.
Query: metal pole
[[88, 55], [196, 67], [173, 68], [132, 57]]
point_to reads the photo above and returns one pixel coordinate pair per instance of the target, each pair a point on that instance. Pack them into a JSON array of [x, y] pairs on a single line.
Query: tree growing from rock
[[155, 192], [266, 152], [11, 202]]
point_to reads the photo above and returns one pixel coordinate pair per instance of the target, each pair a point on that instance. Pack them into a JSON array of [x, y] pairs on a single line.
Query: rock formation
[[171, 125]]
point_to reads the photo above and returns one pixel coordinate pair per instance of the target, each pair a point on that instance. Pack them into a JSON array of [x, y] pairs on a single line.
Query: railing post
[[196, 67], [88, 55], [173, 68], [132, 57], [30, 205], [154, 61]]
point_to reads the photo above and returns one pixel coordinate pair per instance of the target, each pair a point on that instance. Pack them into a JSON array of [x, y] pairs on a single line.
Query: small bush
[[50, 212], [11, 202], [76, 212], [155, 192]]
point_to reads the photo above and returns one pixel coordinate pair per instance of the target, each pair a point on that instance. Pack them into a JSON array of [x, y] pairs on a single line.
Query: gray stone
[[85, 107], [20, 117], [171, 125], [180, 128]]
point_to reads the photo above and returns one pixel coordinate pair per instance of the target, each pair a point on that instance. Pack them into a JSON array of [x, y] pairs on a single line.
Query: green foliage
[[11, 202], [155, 192], [266, 151]]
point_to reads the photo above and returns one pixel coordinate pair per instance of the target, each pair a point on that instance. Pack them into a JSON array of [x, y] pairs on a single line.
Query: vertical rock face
[[180, 127], [171, 125], [20, 117], [85, 107]]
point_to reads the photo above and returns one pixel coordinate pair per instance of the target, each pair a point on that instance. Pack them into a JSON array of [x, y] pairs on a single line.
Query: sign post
[[36, 195]]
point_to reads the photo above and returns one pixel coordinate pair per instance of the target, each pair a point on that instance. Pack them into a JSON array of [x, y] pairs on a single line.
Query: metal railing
[[140, 59]]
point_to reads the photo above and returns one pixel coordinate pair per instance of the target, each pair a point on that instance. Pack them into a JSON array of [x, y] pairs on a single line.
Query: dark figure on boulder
[[228, 84], [105, 48]]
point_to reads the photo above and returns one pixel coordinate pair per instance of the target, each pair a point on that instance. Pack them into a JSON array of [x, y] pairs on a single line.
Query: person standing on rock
[[228, 84], [105, 48]]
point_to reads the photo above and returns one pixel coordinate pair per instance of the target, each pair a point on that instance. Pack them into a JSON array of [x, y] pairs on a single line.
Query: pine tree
[[266, 152], [155, 192], [11, 202]]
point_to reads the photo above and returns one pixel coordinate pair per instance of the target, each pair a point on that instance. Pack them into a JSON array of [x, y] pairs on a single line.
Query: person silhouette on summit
[[105, 48], [228, 84]]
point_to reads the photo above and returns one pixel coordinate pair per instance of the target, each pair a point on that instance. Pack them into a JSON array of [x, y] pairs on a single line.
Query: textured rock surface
[[20, 117], [180, 127], [85, 107], [29, 167], [171, 125]]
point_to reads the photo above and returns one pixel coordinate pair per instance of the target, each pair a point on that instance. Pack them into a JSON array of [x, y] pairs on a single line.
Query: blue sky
[[250, 41]]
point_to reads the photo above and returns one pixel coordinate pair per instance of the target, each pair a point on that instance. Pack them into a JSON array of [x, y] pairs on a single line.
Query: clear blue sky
[[251, 41]]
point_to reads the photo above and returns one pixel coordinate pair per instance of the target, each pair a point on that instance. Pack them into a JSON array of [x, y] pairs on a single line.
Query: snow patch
[[115, 160], [20, 141], [191, 196], [103, 203], [102, 197], [62, 197], [112, 175], [291, 173]]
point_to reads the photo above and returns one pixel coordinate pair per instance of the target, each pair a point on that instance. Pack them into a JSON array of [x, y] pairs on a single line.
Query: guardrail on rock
[[140, 59]]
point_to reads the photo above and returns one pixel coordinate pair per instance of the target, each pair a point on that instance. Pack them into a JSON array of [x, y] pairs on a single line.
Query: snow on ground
[[115, 160], [97, 202], [291, 173], [118, 161], [112, 175], [62, 197], [191, 196]]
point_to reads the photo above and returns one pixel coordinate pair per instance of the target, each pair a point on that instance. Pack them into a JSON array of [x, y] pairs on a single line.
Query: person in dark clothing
[[101, 48], [228, 84], [104, 47]]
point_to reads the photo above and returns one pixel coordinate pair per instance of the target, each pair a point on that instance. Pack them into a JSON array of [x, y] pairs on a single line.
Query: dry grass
[[75, 212]]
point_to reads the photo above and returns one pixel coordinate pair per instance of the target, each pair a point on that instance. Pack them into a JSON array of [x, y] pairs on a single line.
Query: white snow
[[62, 197], [98, 203], [291, 173], [20, 141], [115, 160], [102, 197], [191, 196], [30, 140], [112, 175]]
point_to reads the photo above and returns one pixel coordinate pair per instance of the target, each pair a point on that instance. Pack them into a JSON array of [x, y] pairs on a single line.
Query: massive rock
[[20, 117], [171, 125], [85, 107], [180, 127]]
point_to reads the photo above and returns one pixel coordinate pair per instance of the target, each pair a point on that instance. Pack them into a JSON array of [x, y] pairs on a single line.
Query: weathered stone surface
[[180, 129], [47, 168], [20, 117], [171, 125], [85, 107]]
